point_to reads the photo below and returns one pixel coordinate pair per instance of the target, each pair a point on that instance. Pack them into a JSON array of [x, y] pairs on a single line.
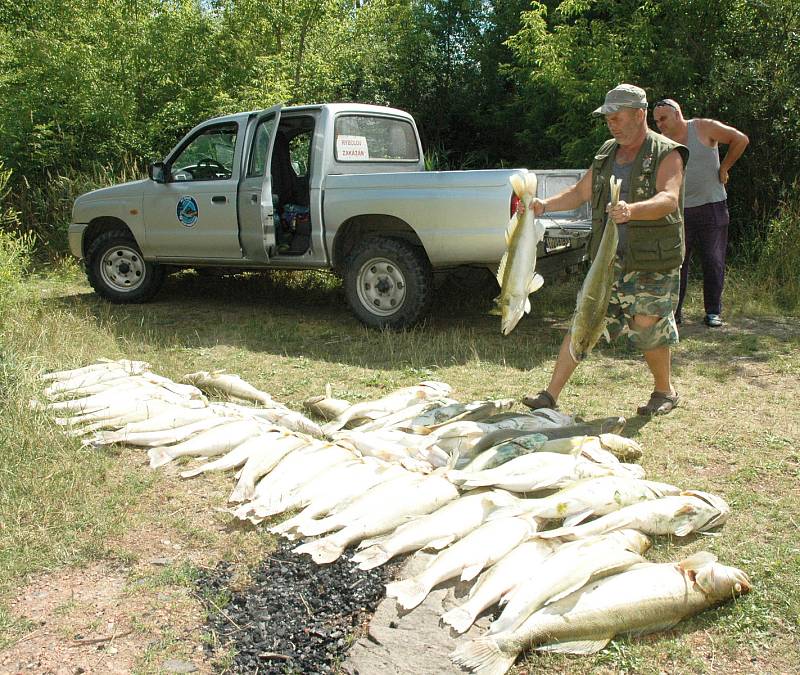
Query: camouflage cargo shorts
[[644, 293]]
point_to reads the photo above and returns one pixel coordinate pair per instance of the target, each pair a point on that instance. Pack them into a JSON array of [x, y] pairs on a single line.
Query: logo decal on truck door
[[187, 211]]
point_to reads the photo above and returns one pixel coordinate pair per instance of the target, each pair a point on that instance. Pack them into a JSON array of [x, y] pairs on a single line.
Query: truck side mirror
[[157, 172]]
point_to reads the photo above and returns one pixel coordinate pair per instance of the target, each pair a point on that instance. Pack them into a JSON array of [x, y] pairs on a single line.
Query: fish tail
[[408, 592], [371, 557], [456, 476], [321, 550], [459, 618], [191, 473], [313, 527], [284, 528], [159, 457], [483, 656]]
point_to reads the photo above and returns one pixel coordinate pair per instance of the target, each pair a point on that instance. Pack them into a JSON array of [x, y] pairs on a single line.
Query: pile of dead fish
[[416, 470]]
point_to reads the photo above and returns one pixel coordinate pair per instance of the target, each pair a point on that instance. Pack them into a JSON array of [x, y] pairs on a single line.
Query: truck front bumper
[[75, 237]]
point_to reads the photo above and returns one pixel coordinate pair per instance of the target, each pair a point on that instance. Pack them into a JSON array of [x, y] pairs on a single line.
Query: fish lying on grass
[[595, 447], [589, 497], [589, 320], [118, 413], [466, 558], [337, 496], [516, 274], [569, 568], [376, 498], [159, 437], [273, 493], [499, 581], [475, 411], [117, 395], [644, 599], [435, 530], [259, 444], [690, 511], [397, 400], [400, 419], [216, 441], [262, 463], [325, 406], [553, 431], [129, 367], [537, 471], [505, 452], [417, 498], [390, 450], [227, 384]]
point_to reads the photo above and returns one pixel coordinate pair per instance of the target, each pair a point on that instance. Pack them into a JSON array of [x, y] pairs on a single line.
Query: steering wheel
[[207, 162]]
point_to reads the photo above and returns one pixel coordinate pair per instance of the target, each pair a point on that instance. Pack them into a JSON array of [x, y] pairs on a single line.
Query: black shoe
[[541, 400], [713, 320], [678, 319]]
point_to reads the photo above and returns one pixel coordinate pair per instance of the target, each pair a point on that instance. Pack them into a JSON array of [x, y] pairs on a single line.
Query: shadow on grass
[[305, 314]]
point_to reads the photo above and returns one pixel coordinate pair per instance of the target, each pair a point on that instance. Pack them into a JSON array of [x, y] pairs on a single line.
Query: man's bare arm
[[665, 201], [719, 133], [568, 199]]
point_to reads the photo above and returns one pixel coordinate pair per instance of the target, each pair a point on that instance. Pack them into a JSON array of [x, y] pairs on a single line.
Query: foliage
[[491, 82], [733, 60], [781, 252]]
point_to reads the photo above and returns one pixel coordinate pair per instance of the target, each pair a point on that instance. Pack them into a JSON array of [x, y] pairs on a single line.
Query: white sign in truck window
[[351, 148]]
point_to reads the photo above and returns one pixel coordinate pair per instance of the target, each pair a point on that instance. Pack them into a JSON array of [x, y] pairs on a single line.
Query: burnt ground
[[294, 616]]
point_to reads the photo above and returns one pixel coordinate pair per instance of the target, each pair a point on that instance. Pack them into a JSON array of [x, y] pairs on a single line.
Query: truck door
[[256, 208], [193, 215]]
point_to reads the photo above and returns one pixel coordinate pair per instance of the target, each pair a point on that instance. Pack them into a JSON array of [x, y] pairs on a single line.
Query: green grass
[[736, 433]]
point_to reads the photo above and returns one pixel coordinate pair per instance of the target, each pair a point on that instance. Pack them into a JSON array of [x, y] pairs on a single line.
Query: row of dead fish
[[418, 470]]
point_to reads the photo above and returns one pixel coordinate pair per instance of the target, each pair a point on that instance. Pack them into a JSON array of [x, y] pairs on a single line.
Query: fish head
[[631, 539], [437, 388], [718, 582], [714, 507], [517, 184]]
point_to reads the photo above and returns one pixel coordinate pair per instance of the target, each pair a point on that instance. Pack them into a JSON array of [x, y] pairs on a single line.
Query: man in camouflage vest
[[651, 241]]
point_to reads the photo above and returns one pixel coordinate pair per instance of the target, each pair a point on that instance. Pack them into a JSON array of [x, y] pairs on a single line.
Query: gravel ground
[[295, 616]]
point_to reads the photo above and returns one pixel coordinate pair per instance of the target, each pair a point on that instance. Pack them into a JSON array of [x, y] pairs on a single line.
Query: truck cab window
[[207, 156], [373, 138]]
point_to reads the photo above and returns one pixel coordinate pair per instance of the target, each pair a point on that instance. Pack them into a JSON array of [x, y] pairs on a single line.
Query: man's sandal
[[659, 404], [541, 400]]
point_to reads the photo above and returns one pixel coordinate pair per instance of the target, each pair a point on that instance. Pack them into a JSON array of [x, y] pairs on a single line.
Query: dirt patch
[[137, 610], [98, 620]]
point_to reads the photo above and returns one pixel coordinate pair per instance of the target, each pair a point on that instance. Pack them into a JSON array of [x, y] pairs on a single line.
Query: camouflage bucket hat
[[623, 96]]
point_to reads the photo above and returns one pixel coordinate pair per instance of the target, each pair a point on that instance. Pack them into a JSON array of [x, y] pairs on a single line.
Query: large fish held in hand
[[589, 320], [517, 271]]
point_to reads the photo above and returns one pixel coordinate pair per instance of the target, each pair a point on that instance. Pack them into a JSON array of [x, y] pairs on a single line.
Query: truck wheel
[[117, 271], [388, 282]]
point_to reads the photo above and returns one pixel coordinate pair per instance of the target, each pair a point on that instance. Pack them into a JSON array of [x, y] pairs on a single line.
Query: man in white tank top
[[705, 202]]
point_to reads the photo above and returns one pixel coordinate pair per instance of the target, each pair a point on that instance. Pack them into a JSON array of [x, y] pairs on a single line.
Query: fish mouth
[[714, 501]]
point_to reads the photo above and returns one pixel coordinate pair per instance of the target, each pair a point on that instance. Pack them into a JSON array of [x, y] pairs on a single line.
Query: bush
[[15, 249], [779, 262]]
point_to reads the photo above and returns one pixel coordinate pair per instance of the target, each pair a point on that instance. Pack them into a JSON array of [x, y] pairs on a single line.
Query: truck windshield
[[372, 138]]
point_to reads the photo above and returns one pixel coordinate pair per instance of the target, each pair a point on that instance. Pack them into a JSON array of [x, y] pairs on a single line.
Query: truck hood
[[121, 191]]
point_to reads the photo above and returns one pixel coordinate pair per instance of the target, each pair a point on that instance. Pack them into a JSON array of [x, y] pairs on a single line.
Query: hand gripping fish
[[589, 320], [516, 273]]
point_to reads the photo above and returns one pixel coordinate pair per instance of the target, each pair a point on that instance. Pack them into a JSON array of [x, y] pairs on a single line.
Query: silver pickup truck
[[337, 186]]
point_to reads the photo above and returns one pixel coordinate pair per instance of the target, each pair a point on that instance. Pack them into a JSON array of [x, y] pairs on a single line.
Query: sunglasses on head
[[666, 102]]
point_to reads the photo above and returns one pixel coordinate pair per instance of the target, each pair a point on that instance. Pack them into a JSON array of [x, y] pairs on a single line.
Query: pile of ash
[[295, 616]]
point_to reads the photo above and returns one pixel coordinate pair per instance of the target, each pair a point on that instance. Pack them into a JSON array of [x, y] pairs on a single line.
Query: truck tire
[[117, 271], [388, 282]]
